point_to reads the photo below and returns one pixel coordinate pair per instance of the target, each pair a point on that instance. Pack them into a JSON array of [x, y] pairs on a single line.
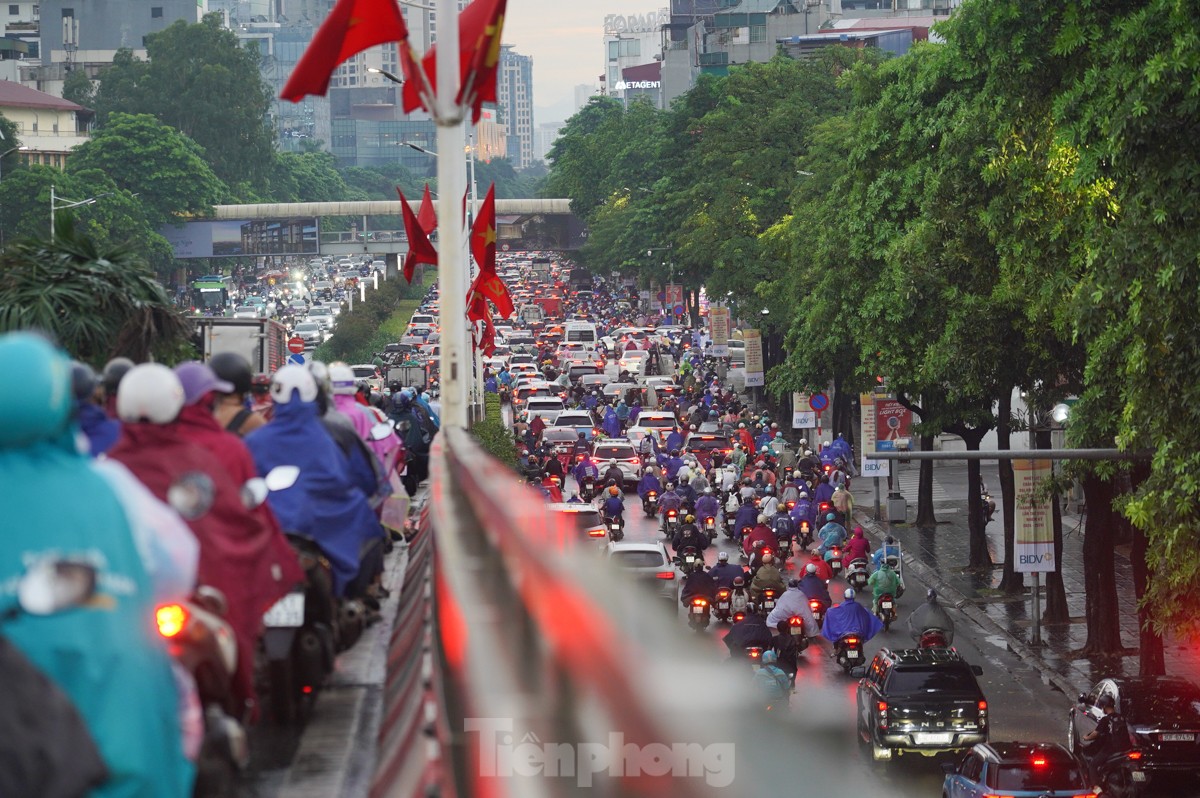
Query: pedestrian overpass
[[376, 228]]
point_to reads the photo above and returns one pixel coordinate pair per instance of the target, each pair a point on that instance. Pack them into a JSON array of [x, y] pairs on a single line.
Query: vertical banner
[[755, 376], [893, 425], [718, 329], [803, 416], [869, 438], [1034, 520]]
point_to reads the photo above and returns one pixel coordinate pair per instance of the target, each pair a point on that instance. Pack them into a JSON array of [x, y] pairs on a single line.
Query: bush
[[495, 438], [380, 320]]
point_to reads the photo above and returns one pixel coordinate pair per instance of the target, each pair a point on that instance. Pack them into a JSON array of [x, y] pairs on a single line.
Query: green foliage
[[162, 166], [78, 88], [379, 182], [381, 320], [310, 177], [98, 300], [200, 81], [492, 434]]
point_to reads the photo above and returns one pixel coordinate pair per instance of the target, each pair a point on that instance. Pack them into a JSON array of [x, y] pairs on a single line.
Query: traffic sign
[[818, 402], [662, 296], [504, 247], [295, 360], [680, 310], [296, 345]]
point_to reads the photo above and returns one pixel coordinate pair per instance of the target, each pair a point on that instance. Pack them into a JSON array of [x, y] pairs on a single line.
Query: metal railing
[[553, 668]]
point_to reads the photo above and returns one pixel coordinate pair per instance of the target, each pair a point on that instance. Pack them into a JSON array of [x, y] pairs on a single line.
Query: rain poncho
[[850, 617], [106, 656], [648, 482], [612, 424], [101, 431], [365, 420], [794, 602], [930, 615], [323, 504]]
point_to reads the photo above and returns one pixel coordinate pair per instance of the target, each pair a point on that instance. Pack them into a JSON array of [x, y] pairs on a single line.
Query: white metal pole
[[51, 211], [452, 178], [477, 366]]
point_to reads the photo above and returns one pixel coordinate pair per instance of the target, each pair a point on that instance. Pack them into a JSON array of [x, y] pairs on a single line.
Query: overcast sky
[[566, 40]]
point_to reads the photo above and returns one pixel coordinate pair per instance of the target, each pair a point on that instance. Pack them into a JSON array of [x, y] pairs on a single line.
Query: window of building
[[14, 11], [614, 49], [758, 34], [155, 12], [631, 48], [68, 13]]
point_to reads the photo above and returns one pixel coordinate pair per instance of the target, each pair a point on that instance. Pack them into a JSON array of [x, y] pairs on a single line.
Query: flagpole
[[452, 250], [477, 386]]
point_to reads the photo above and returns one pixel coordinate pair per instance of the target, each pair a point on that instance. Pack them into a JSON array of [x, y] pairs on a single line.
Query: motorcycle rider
[[324, 504], [888, 550], [614, 473], [772, 682], [231, 409], [698, 583], [794, 601], [688, 535], [724, 572], [750, 631], [931, 615], [832, 534], [649, 482], [814, 586], [1110, 737], [768, 576], [117, 676], [782, 525], [849, 617], [707, 506], [101, 431], [744, 520], [770, 505], [584, 470], [580, 446], [883, 582], [613, 506], [857, 547], [760, 535], [669, 500]]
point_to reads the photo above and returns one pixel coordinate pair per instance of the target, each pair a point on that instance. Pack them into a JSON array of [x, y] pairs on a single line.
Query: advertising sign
[[803, 416], [1033, 519], [893, 425], [674, 295], [868, 436], [755, 376], [718, 329], [239, 237]]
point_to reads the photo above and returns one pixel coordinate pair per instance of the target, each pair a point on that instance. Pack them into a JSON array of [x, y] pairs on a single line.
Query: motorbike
[[784, 545], [834, 558], [587, 491], [754, 654], [768, 600], [710, 527], [690, 560], [722, 606], [756, 558], [818, 610], [650, 504], [886, 611], [857, 574], [933, 638], [616, 528], [671, 523], [202, 642], [699, 613], [805, 535], [848, 651], [796, 629]]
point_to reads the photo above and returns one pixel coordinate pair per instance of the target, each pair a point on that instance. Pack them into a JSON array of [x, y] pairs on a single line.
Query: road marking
[[908, 481]]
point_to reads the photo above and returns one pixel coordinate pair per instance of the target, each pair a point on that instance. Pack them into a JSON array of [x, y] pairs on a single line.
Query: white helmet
[[342, 378], [291, 382], [612, 462], [849, 594], [762, 519], [149, 392], [320, 372]]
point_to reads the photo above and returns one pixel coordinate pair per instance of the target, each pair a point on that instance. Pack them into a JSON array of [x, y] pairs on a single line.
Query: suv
[[920, 700], [1015, 769]]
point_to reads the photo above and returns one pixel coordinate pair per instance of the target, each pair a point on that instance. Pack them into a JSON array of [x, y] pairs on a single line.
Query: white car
[[368, 372], [548, 407], [650, 422], [311, 333], [247, 312], [623, 452], [647, 563]]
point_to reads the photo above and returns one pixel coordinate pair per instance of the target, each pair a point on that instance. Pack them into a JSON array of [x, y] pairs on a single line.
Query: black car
[[1163, 716], [920, 700]]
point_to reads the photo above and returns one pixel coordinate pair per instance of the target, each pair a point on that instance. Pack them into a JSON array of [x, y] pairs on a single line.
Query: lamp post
[[6, 153], [54, 206]]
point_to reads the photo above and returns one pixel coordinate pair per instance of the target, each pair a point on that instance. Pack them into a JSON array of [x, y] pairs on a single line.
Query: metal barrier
[[555, 678]]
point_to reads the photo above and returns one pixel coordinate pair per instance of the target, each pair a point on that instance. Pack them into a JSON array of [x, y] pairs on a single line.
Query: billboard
[[803, 416], [755, 376], [718, 329], [1033, 519], [868, 434], [893, 425], [243, 237]]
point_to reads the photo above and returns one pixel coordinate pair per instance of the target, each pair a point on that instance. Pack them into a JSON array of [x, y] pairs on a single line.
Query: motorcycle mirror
[[254, 492], [282, 477], [858, 672], [55, 585], [381, 431], [948, 768], [1082, 698], [191, 495], [975, 669]]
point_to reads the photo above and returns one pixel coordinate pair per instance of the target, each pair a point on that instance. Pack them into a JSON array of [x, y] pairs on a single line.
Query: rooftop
[[16, 95]]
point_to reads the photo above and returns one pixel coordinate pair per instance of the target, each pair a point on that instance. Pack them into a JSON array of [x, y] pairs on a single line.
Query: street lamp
[[54, 206], [385, 73], [10, 150], [765, 312]]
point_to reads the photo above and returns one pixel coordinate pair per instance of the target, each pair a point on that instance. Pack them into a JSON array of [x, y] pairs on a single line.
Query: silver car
[[649, 564]]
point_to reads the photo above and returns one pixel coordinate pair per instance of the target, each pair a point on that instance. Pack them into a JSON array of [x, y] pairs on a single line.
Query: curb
[[928, 575]]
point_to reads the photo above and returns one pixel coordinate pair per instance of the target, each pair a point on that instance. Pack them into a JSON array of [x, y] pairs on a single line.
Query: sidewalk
[[938, 555]]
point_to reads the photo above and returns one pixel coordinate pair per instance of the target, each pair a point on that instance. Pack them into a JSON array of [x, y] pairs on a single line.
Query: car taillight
[[596, 533], [665, 574], [882, 708], [171, 619]]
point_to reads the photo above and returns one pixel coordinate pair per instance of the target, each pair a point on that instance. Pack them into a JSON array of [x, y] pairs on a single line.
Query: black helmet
[[1105, 701], [234, 369], [889, 540], [83, 381], [114, 370], [931, 595]]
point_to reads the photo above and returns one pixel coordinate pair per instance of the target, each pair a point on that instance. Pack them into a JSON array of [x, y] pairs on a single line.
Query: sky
[[566, 40]]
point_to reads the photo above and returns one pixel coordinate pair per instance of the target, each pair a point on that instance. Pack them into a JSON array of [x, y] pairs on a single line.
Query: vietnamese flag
[[479, 30], [352, 26], [479, 310], [419, 248], [492, 287], [427, 216], [483, 233]]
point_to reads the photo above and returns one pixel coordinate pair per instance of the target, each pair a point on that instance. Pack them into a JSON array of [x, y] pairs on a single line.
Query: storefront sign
[[1033, 519], [803, 416], [624, 85]]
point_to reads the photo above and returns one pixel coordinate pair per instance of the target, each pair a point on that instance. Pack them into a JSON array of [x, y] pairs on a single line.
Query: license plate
[[1177, 738], [887, 605], [933, 739], [287, 612], [1138, 775], [796, 630], [769, 605], [724, 605], [691, 560], [851, 654], [697, 610]]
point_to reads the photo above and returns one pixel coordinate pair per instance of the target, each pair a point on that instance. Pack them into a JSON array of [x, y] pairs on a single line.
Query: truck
[[261, 341], [409, 374], [541, 268]]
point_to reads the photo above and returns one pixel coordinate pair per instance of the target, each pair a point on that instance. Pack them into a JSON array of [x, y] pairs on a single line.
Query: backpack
[[783, 526]]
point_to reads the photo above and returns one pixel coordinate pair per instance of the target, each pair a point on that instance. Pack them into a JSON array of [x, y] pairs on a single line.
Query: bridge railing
[[556, 677]]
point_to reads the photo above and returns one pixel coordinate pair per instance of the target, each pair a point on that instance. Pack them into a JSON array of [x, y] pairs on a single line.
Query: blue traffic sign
[[818, 402], [295, 360], [680, 310]]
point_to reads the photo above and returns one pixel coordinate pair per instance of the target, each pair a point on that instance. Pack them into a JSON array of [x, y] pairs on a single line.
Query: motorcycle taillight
[[171, 619]]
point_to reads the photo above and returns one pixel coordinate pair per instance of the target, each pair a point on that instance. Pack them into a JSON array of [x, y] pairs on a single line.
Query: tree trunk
[[1150, 643], [1056, 610], [840, 411], [980, 558], [925, 516], [1099, 576], [1013, 581]]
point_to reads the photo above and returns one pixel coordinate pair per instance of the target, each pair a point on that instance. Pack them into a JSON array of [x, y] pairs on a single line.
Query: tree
[[78, 88], [310, 177], [202, 82], [162, 166], [98, 301]]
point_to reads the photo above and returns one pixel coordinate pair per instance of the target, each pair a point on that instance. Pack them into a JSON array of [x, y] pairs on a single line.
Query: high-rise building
[[84, 32], [630, 41], [547, 134], [583, 93], [514, 92]]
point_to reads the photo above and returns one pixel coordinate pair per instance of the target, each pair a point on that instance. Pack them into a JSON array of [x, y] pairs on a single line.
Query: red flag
[[483, 234], [427, 216], [479, 310], [352, 26], [419, 248], [493, 288], [479, 30]]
